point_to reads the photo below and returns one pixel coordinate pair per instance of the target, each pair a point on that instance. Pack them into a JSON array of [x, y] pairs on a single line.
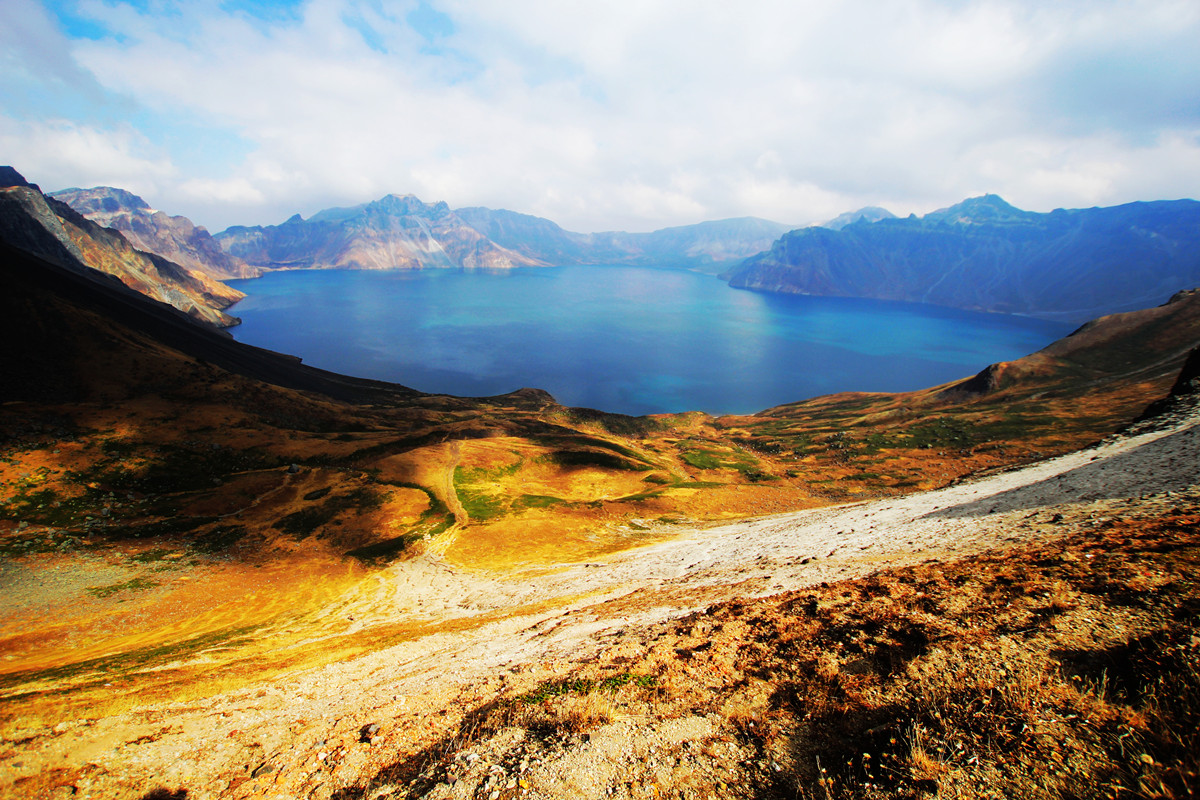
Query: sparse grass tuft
[[134, 585]]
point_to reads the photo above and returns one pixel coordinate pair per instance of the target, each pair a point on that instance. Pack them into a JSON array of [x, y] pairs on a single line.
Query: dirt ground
[[438, 651]]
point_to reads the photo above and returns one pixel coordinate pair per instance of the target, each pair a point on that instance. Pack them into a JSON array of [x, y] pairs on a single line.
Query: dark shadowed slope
[[52, 316]]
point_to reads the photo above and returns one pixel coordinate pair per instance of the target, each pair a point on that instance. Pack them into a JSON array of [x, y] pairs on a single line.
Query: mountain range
[[706, 246], [53, 230], [401, 232], [394, 232], [984, 254], [175, 238], [980, 254]]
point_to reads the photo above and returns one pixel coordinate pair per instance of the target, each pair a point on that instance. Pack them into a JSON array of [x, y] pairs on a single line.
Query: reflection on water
[[626, 339]]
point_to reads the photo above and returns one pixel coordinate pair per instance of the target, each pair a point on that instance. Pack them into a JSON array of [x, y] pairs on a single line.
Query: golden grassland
[[210, 525]]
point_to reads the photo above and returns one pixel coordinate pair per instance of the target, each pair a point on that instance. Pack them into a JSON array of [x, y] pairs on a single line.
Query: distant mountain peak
[[102, 200], [397, 231], [987, 208], [175, 238], [865, 214], [407, 204], [399, 201], [397, 205]]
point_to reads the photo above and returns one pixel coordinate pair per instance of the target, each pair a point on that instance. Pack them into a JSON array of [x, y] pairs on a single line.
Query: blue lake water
[[626, 339]]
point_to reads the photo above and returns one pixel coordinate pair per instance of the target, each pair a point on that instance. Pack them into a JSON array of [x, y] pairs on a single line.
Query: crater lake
[[633, 340]]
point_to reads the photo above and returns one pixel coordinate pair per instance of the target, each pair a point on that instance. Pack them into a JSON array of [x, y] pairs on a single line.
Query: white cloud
[[59, 153], [643, 114]]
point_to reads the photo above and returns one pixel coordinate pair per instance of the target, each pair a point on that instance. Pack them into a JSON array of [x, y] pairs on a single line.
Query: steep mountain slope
[[985, 254], [1148, 343], [707, 246], [86, 335], [54, 231], [175, 238], [391, 233], [536, 238]]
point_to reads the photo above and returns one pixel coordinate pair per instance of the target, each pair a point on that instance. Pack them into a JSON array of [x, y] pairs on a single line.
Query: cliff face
[[54, 231], [985, 254], [174, 238], [392, 233]]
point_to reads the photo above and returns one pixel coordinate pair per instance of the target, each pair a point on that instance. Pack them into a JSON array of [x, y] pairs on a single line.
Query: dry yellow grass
[[1042, 671]]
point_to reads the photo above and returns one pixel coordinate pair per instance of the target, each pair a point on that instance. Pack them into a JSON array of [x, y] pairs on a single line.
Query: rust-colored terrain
[[213, 555]]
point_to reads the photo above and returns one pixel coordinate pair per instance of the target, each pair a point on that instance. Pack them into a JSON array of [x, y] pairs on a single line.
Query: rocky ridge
[[395, 232], [985, 254], [52, 230], [865, 214], [175, 238]]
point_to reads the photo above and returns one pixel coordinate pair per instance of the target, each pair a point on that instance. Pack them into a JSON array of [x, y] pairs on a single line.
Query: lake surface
[[626, 339]]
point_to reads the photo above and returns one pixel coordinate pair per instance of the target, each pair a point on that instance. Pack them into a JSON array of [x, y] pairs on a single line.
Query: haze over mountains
[[705, 246], [981, 254]]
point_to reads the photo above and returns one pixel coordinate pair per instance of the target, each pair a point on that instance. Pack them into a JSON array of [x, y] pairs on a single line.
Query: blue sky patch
[[429, 22]]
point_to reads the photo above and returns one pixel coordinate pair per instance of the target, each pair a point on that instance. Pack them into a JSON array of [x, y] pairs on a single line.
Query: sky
[[616, 115]]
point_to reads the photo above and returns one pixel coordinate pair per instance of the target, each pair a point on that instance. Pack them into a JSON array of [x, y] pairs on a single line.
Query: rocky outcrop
[[53, 231], [175, 238], [984, 254], [395, 232]]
